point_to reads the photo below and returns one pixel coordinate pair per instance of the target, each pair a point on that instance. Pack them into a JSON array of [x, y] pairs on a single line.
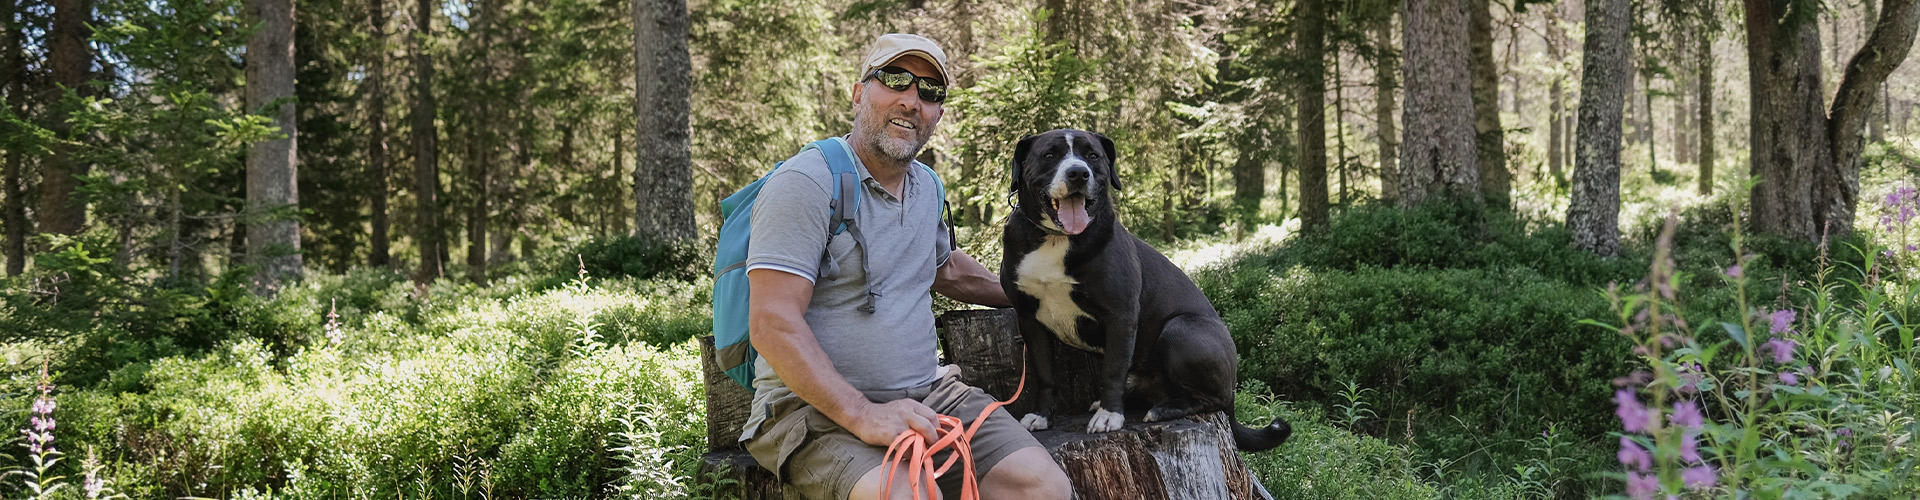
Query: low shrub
[[1462, 358]]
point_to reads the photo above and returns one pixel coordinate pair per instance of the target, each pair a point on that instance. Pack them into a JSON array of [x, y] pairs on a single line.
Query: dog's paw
[[1105, 421], [1034, 422], [1095, 407], [1153, 415]]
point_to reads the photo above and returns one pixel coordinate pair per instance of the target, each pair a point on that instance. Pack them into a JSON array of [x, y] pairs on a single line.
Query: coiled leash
[[912, 451]]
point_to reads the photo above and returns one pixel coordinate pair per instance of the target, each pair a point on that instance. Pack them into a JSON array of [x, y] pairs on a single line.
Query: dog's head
[[1064, 178]]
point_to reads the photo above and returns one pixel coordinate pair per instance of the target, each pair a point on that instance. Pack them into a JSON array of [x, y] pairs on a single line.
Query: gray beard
[[874, 135]]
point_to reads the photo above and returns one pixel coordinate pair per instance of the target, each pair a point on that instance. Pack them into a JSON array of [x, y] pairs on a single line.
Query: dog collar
[[1043, 227]]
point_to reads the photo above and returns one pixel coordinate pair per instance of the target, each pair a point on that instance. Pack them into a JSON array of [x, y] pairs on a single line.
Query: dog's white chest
[[1043, 274]]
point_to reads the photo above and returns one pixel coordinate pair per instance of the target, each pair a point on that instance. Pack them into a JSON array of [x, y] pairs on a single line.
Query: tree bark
[[1310, 110], [1556, 101], [1808, 156], [426, 167], [1249, 183], [63, 209], [1594, 214], [1384, 69], [1886, 48], [381, 253], [1708, 155], [1437, 151], [1495, 181], [16, 208], [663, 174], [273, 241]]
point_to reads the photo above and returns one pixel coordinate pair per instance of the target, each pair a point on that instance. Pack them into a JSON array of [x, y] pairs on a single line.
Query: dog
[[1074, 273]]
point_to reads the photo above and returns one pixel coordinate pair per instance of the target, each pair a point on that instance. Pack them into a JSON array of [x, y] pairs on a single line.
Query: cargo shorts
[[812, 455]]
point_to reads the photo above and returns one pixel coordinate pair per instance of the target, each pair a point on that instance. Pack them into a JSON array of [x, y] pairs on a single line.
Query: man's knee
[[1029, 473], [868, 487]]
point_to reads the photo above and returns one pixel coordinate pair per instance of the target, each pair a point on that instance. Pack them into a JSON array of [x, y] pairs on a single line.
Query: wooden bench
[[1191, 458]]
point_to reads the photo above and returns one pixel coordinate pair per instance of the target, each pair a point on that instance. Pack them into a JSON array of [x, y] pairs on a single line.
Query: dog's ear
[[1113, 161], [1019, 156]]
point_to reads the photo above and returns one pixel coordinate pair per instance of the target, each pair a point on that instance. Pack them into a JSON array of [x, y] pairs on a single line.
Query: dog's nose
[[1078, 174]]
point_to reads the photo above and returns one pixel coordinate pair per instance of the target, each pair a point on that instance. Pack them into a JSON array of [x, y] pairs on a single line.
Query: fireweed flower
[[1782, 320], [1632, 455], [1642, 486], [40, 435], [1733, 271], [1633, 416], [1699, 478], [1782, 350], [1844, 433], [1686, 414], [1789, 378], [1690, 446]]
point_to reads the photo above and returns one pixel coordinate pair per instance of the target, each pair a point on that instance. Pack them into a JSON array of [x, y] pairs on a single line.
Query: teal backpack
[[731, 349]]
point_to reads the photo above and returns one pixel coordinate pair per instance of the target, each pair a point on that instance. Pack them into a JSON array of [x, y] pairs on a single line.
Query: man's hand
[[879, 424]]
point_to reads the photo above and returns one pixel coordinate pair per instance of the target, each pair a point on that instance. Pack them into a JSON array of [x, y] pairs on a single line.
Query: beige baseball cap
[[893, 46]]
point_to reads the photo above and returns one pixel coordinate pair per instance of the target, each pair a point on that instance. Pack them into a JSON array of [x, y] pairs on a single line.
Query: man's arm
[[777, 327], [965, 280]]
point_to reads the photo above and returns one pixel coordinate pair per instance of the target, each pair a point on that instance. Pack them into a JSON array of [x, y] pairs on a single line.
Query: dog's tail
[[1266, 438]]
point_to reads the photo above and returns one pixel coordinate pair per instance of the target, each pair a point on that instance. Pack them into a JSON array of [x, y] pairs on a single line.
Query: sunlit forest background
[[345, 249]]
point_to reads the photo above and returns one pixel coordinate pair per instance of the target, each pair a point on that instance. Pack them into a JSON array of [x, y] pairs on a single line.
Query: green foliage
[[1456, 355], [476, 396], [638, 257], [1822, 406]]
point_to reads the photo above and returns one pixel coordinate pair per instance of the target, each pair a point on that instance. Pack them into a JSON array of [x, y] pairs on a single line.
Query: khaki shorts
[[817, 458]]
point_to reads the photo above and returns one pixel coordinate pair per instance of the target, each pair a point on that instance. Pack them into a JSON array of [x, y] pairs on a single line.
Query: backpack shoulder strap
[[846, 182], [946, 209], [846, 204]]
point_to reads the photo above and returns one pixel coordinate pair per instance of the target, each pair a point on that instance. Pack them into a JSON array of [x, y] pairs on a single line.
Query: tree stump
[[1192, 458]]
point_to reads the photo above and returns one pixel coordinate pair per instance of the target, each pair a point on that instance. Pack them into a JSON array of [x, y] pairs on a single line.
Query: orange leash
[[912, 451]]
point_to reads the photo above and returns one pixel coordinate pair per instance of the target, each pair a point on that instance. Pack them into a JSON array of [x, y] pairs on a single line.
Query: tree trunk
[[1311, 115], [16, 208], [1339, 126], [1787, 132], [1705, 78], [1495, 181], [426, 167], [1792, 155], [273, 242], [1594, 215], [663, 176], [1556, 101], [1647, 134], [1384, 69], [63, 209], [1677, 131], [381, 254], [1437, 152], [1839, 185]]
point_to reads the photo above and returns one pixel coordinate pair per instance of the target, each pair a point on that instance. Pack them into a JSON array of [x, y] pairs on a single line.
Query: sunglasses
[[899, 79]]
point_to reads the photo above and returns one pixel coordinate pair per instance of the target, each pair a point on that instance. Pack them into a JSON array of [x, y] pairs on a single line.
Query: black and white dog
[[1074, 273]]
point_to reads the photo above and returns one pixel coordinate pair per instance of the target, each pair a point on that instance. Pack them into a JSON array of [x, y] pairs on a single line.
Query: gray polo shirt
[[893, 347]]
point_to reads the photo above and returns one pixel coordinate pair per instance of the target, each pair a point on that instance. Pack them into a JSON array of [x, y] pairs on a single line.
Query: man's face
[[895, 123]]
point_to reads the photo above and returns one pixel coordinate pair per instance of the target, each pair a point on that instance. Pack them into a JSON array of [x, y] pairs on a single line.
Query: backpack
[[731, 350]]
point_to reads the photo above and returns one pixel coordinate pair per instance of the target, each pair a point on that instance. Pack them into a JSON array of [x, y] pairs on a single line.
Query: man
[[838, 380]]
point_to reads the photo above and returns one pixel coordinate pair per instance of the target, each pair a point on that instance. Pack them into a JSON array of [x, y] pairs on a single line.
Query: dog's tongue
[[1073, 215]]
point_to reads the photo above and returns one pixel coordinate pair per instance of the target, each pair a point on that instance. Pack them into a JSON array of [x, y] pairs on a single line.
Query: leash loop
[[912, 451]]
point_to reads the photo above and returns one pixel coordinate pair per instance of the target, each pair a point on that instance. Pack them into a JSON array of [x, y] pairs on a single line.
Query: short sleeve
[[790, 220]]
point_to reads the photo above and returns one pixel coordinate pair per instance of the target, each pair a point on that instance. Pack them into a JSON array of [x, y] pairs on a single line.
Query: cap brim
[[923, 55]]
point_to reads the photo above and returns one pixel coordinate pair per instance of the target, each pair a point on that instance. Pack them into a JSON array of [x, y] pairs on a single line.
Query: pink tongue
[[1073, 215]]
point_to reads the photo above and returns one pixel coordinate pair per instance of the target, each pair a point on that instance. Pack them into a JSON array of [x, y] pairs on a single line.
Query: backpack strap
[[946, 209], [845, 205]]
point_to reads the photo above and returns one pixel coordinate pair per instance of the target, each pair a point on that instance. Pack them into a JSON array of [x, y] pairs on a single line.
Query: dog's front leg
[[1039, 371], [1110, 412]]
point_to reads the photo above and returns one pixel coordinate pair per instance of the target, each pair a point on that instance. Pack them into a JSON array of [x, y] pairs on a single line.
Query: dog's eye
[[1051, 156], [1093, 156]]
